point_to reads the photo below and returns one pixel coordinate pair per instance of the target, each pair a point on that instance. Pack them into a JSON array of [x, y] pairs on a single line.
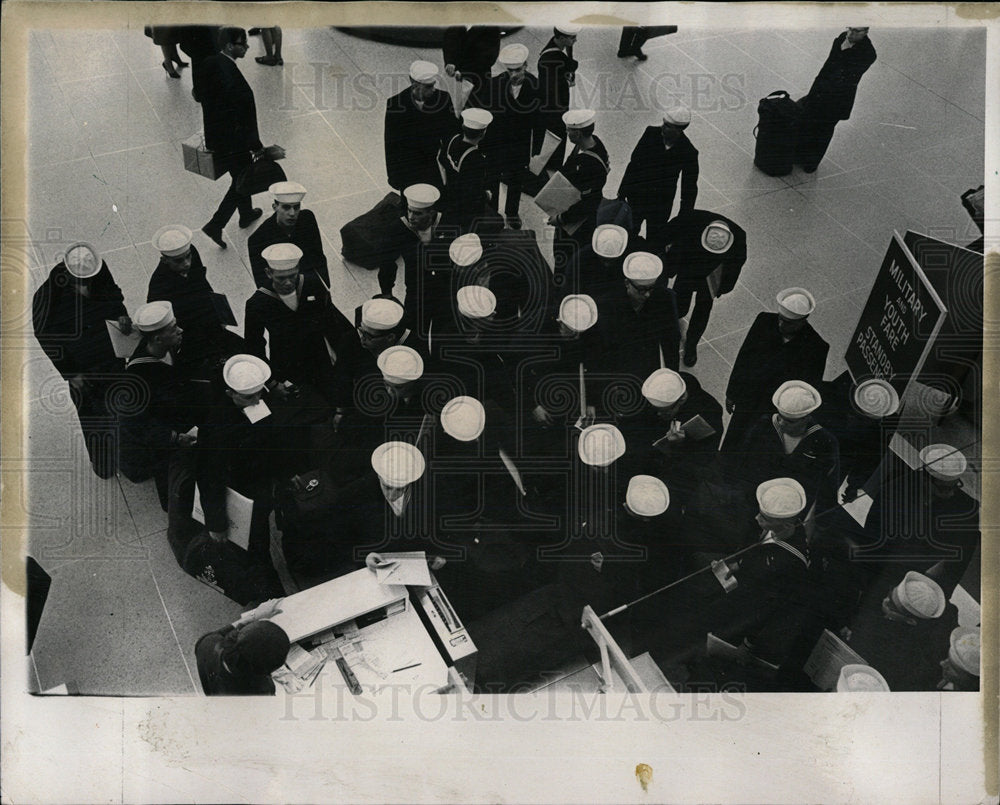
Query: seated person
[[238, 660]]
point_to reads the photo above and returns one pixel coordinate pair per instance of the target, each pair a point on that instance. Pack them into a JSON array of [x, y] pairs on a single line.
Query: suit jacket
[[413, 138], [297, 340], [765, 361], [472, 49], [305, 235], [227, 106], [688, 259], [517, 129], [835, 87], [650, 180]]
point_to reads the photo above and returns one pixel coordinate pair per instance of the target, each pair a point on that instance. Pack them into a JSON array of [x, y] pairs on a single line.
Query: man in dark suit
[[778, 347], [289, 224], [307, 336], [230, 118], [706, 252], [469, 53], [419, 121], [516, 131], [662, 156], [831, 97]]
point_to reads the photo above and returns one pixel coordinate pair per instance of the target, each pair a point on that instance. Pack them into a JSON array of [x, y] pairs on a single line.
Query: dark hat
[[261, 646]]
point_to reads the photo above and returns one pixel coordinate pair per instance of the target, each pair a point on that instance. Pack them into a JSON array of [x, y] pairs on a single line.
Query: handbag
[[259, 176]]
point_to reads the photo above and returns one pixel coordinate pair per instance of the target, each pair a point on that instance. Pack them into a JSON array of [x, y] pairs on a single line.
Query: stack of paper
[[541, 159], [407, 567], [123, 345], [458, 90]]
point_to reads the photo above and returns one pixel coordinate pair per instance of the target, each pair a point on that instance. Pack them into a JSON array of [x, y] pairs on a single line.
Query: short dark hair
[[230, 35]]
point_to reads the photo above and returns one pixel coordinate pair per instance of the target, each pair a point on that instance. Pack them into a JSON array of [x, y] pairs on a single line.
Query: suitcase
[[198, 159], [365, 240], [776, 132]]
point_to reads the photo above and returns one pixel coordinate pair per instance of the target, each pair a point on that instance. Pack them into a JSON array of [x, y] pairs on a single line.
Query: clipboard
[[557, 196], [123, 345], [239, 510], [549, 145], [696, 428]]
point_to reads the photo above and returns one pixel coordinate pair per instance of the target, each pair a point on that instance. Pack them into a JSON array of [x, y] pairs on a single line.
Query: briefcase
[[259, 176], [198, 159]]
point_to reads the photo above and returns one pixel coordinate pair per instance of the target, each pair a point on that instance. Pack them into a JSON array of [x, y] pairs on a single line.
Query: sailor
[[778, 347], [288, 224], [463, 165], [556, 75]]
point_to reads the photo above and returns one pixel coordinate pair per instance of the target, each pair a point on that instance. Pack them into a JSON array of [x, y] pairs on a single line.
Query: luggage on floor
[[233, 571], [776, 132], [365, 239]]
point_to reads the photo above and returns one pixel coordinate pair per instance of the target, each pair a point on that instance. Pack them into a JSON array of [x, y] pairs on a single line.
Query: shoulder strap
[[269, 292], [770, 539], [599, 158], [461, 159]]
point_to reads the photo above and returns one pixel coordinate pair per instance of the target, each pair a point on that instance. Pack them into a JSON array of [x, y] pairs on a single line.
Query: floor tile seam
[[163, 603], [142, 89], [350, 151], [766, 66], [936, 94]]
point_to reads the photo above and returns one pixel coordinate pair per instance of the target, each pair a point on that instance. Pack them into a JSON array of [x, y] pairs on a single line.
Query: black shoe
[[640, 55], [690, 355], [181, 63], [809, 169], [513, 221], [270, 61], [255, 213], [214, 235], [253, 32], [623, 55]]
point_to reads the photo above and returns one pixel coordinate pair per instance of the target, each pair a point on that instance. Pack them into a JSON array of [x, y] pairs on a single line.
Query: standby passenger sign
[[899, 323]]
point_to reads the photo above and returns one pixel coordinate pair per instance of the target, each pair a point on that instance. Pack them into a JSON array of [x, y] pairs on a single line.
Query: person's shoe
[[279, 60], [253, 32], [809, 168], [270, 61], [640, 55], [181, 63], [513, 221], [169, 67], [215, 235], [690, 355], [255, 213], [623, 54]]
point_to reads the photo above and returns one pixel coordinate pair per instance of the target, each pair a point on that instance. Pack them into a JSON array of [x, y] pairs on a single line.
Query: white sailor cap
[[795, 303], [609, 241], [463, 418], [781, 498], [398, 464], [421, 196], [246, 374], [857, 678], [677, 116], [381, 314], [82, 260], [579, 118], [942, 461], [513, 55], [424, 72], [795, 399], [172, 240], [578, 312], [647, 496], [600, 445], [282, 256], [717, 226], [876, 398], [476, 301], [642, 268], [920, 595], [965, 646], [287, 192], [466, 250], [476, 119], [568, 28], [663, 388], [153, 316], [400, 365]]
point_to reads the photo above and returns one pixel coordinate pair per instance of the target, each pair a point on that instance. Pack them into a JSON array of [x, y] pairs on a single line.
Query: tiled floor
[[104, 164]]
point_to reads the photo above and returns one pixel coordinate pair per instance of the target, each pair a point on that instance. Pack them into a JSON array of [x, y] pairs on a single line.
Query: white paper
[[557, 196], [123, 345], [541, 159], [459, 91], [239, 510], [409, 568], [255, 413], [696, 428]]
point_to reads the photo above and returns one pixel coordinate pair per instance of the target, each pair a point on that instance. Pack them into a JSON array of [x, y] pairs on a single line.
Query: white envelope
[[557, 196], [238, 510]]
